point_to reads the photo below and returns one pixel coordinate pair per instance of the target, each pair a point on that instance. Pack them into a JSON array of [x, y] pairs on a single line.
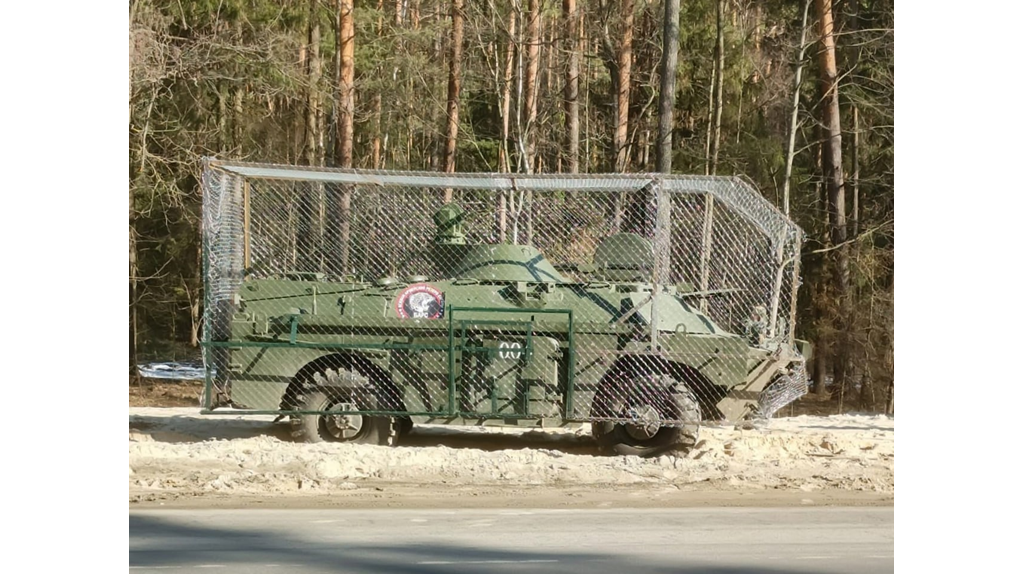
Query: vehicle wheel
[[404, 426], [354, 428], [648, 403]]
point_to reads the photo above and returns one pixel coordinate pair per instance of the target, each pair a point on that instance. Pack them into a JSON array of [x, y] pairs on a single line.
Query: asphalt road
[[713, 540]]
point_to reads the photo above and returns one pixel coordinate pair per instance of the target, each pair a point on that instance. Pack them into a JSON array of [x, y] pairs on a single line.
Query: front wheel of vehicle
[[340, 427], [663, 415]]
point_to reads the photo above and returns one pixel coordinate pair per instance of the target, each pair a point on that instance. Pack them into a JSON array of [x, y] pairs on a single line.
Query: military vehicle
[[491, 333]]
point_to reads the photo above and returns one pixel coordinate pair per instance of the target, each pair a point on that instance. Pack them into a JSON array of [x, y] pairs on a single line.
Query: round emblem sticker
[[420, 301]]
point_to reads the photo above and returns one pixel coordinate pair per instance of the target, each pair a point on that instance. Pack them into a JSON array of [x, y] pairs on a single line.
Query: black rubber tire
[[404, 426], [376, 430], [676, 402]]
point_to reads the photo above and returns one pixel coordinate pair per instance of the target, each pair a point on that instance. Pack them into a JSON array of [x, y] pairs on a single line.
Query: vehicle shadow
[[183, 429], [462, 437], [162, 543], [848, 427], [199, 428]]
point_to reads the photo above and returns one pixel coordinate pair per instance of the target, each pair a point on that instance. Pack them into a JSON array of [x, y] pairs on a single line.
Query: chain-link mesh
[[787, 387], [641, 303]]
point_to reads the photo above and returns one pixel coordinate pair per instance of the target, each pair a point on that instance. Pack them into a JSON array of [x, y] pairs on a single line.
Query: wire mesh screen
[[359, 302]]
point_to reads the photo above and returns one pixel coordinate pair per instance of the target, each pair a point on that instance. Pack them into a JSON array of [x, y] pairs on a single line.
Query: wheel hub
[[645, 422], [344, 426]]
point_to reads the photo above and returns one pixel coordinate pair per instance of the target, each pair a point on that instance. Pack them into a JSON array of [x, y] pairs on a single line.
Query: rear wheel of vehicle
[[404, 426], [343, 426], [650, 405]]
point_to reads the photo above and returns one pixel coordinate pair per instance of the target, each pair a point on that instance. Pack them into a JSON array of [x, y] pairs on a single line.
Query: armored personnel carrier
[[480, 330]]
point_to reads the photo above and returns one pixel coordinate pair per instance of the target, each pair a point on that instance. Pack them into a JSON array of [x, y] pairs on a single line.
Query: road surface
[[597, 541]]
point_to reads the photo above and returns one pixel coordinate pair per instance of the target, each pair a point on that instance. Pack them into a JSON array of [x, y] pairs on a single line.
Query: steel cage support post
[[705, 248], [773, 317], [246, 233], [794, 286], [207, 188], [662, 252]]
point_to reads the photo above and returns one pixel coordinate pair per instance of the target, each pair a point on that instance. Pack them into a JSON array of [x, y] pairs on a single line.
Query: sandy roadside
[[178, 458]]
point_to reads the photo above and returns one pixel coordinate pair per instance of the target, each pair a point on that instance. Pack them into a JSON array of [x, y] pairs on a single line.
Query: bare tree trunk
[[133, 356], [312, 140], [133, 267], [855, 216], [237, 128], [795, 110], [310, 236], [711, 119], [586, 104], [375, 144], [572, 82], [504, 163], [719, 72], [334, 119], [832, 163], [758, 35], [346, 84], [867, 391], [739, 97], [523, 165], [550, 35], [436, 162], [345, 53], [625, 65], [619, 61], [195, 296], [819, 368], [643, 162], [222, 120], [454, 81], [530, 84], [854, 24], [821, 315], [133, 307], [531, 98], [300, 118], [667, 97], [823, 346]]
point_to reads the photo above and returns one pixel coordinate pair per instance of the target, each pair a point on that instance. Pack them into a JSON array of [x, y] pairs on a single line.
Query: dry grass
[[165, 393]]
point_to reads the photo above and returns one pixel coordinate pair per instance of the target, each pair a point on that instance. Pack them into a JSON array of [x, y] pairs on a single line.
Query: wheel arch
[[627, 366], [389, 393]]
